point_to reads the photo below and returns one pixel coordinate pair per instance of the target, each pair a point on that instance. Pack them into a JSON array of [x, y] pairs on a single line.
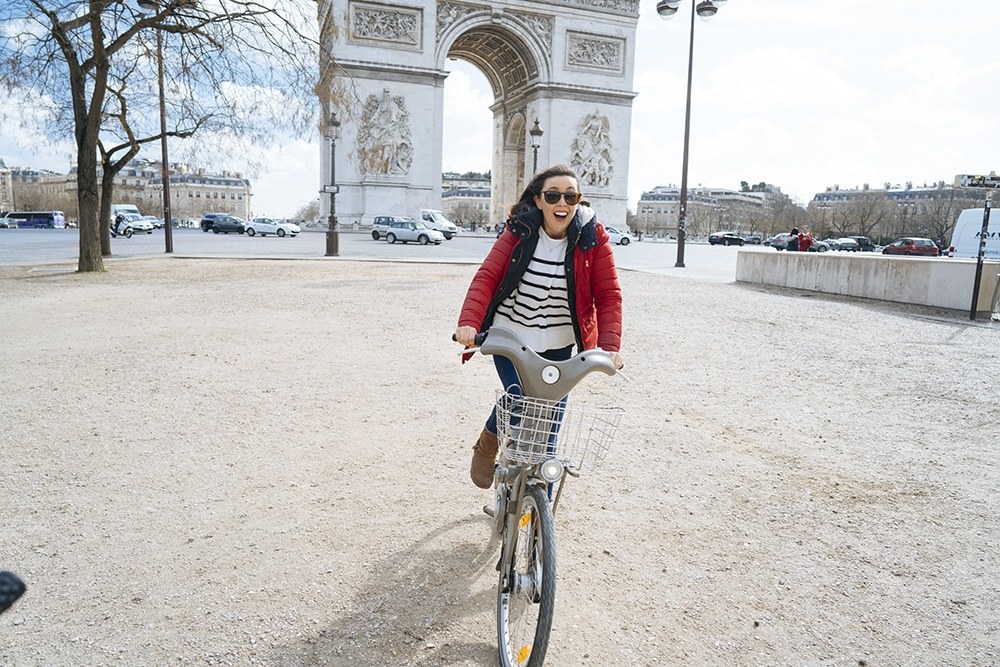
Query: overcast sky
[[802, 94]]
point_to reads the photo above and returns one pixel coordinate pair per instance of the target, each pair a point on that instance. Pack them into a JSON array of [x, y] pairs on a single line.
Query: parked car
[[865, 244], [412, 230], [228, 223], [819, 246], [912, 246], [617, 237], [207, 219], [849, 244], [778, 241], [754, 240], [265, 226], [140, 223], [726, 238], [8, 223], [382, 223]]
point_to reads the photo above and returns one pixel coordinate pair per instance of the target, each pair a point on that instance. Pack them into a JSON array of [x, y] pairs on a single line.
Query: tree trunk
[[88, 127], [86, 186], [104, 215]]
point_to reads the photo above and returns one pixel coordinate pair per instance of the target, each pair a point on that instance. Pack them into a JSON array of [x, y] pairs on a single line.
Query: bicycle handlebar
[[480, 337], [540, 377]]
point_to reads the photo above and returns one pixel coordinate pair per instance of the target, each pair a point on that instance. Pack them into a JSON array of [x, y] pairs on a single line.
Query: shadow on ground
[[429, 603]]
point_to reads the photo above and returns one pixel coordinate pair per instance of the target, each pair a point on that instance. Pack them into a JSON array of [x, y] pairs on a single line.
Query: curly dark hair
[[534, 189]]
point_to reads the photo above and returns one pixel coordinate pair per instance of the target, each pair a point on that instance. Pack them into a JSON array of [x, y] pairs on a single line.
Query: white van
[[127, 210], [436, 220], [968, 229]]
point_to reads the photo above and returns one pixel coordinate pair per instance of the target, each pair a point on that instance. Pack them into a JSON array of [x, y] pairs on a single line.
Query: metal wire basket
[[532, 430]]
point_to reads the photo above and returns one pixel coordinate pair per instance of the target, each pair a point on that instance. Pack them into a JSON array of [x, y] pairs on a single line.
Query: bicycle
[[543, 440]]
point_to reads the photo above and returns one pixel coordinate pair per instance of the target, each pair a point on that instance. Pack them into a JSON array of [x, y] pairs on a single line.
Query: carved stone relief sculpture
[[385, 143], [591, 150], [594, 52], [385, 25], [542, 26], [449, 12]]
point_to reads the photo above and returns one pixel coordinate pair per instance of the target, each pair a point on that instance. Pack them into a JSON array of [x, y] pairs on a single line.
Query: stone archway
[[568, 63]]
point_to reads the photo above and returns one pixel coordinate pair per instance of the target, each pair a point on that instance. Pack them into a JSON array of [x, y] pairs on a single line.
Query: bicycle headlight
[[551, 471]]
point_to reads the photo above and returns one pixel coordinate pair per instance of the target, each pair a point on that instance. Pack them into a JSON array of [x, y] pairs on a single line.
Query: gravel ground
[[265, 463]]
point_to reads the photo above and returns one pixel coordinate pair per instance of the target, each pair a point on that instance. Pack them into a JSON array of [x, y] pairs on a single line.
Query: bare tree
[[308, 212], [785, 215], [867, 213], [748, 218], [819, 220], [235, 71], [467, 212], [700, 219], [935, 218]]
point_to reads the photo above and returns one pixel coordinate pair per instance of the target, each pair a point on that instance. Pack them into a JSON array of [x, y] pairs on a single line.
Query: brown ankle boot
[[484, 455]]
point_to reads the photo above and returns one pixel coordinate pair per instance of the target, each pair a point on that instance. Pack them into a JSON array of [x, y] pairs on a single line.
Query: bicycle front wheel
[[526, 593]]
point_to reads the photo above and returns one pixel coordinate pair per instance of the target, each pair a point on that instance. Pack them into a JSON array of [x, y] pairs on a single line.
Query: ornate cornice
[[624, 7]]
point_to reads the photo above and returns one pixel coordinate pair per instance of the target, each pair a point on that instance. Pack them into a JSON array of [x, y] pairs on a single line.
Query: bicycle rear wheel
[[527, 589]]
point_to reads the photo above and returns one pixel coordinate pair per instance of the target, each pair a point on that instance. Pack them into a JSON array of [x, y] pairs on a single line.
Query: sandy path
[[798, 481]]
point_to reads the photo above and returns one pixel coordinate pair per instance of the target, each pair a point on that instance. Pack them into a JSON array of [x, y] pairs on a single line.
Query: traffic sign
[[330, 190], [971, 181]]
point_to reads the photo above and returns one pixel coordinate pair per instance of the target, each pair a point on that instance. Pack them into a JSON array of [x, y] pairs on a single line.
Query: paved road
[[60, 246]]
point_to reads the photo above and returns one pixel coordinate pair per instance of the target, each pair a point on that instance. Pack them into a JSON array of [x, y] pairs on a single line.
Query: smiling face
[[556, 217]]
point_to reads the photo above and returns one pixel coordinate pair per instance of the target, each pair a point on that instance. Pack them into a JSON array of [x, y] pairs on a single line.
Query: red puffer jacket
[[595, 296]]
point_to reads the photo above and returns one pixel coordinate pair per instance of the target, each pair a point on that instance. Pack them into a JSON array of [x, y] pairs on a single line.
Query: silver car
[[265, 226], [140, 224], [617, 237], [413, 230]]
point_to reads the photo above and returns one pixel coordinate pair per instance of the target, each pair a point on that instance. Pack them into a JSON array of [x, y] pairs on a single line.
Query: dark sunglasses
[[552, 197]]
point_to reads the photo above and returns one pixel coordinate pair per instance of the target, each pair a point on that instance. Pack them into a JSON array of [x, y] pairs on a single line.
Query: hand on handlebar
[[617, 358], [466, 336]]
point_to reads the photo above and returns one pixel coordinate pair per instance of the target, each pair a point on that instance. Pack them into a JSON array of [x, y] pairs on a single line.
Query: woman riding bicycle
[[550, 278]]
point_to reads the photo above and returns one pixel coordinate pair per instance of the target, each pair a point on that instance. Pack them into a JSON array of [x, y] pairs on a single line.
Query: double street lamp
[[168, 236], [706, 9], [536, 141]]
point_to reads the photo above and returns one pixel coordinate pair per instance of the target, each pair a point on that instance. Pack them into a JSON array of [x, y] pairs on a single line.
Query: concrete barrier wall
[[941, 283]]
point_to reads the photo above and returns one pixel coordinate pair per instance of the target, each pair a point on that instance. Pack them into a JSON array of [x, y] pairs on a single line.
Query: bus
[[37, 219]]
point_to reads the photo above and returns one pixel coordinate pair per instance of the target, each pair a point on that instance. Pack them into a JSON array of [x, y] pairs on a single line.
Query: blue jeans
[[512, 383]]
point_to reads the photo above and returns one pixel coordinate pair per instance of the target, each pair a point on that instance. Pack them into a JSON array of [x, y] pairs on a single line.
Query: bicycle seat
[[541, 378]]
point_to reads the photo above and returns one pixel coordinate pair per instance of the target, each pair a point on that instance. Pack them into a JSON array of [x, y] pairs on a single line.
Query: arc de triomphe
[[568, 63]]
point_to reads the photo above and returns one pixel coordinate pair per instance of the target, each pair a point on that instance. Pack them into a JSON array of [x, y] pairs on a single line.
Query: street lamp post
[[706, 9], [536, 141], [168, 236], [332, 234]]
